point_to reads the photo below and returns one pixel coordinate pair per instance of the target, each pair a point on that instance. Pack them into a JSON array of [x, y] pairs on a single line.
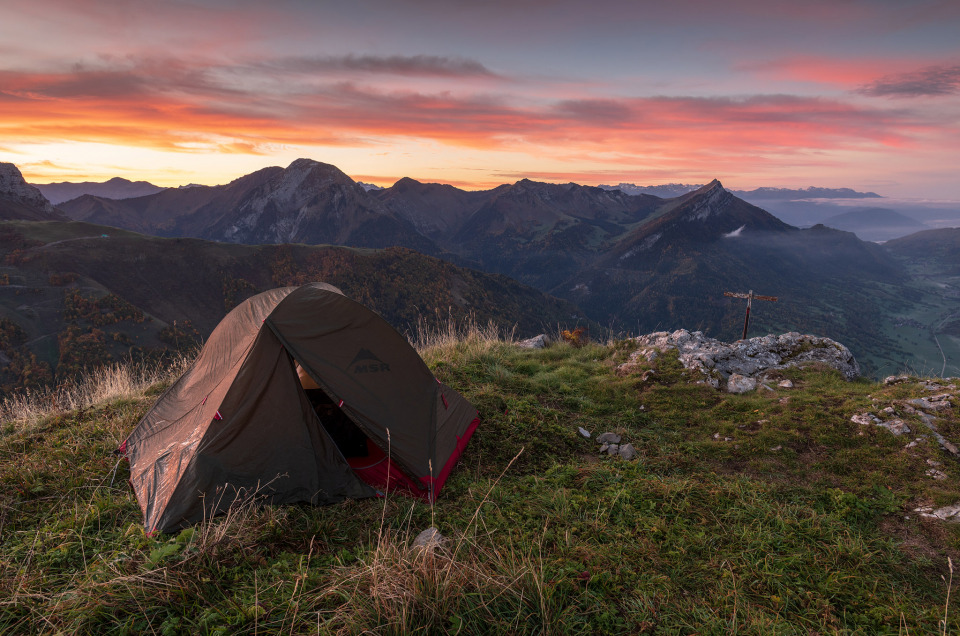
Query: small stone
[[584, 432], [737, 383], [889, 410], [897, 427], [762, 422], [785, 384], [728, 439], [537, 342], [613, 449], [936, 474], [429, 538], [895, 379], [716, 436], [604, 447], [627, 451], [933, 463], [608, 438], [776, 448], [863, 419]]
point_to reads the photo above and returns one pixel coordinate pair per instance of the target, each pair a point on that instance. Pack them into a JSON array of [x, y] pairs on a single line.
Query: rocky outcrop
[[739, 366], [927, 409], [20, 200], [537, 342]]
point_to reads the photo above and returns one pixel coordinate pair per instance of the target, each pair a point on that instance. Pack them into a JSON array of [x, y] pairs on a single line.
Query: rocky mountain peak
[[14, 186], [710, 200], [304, 178]]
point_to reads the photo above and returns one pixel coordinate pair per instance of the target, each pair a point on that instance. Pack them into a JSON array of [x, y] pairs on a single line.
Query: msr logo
[[366, 362]]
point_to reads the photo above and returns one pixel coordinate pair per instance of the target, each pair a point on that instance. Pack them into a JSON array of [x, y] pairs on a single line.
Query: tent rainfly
[[299, 395]]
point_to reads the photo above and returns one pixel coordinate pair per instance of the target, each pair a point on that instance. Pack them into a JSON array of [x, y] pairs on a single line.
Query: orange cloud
[[171, 105]]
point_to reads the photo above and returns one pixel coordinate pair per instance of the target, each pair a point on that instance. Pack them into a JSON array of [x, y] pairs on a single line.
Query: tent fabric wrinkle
[[299, 395]]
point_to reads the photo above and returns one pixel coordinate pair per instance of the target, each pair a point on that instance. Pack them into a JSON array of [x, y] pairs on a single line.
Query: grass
[[763, 513]]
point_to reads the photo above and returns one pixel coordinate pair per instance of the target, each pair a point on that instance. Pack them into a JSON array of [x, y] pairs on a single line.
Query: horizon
[[644, 185], [862, 95]]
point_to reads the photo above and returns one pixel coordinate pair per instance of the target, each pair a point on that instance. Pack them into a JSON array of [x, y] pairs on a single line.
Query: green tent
[[364, 415]]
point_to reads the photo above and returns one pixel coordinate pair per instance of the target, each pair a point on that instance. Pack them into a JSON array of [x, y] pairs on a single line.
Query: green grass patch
[[765, 513]]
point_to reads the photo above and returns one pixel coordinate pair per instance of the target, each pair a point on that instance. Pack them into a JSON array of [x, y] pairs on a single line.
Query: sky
[[831, 93]]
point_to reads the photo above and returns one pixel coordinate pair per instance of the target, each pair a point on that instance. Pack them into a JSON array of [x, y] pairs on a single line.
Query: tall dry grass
[[453, 340], [115, 381]]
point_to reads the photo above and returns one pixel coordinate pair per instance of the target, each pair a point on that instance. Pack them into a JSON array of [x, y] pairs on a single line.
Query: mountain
[[937, 250], [665, 191], [875, 224], [115, 188], [307, 202], [671, 190], [675, 268], [541, 233], [436, 210], [632, 262], [20, 200], [75, 295], [812, 192]]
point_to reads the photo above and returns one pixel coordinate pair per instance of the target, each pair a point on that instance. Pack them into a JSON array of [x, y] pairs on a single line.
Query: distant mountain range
[[308, 202], [116, 188], [631, 262], [758, 194]]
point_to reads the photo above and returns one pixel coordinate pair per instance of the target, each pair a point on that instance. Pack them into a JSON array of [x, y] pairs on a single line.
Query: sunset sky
[[835, 93]]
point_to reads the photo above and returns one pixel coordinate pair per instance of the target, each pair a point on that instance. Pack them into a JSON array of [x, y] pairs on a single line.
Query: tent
[[363, 415]]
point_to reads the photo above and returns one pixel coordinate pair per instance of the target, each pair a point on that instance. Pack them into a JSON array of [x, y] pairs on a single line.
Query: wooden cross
[[749, 296]]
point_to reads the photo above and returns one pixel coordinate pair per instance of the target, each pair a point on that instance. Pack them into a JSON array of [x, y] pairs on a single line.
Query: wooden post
[[749, 296]]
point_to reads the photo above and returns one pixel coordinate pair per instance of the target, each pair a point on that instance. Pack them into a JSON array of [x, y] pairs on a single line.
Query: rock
[[537, 342], [897, 427], [933, 403], [785, 384], [613, 449], [718, 360], [737, 383], [429, 538], [895, 379], [627, 451], [863, 419], [584, 432], [947, 513], [608, 438], [603, 448], [776, 448], [15, 189], [936, 474]]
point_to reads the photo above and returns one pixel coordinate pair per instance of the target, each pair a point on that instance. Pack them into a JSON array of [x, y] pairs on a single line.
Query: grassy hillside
[[76, 295], [768, 512]]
